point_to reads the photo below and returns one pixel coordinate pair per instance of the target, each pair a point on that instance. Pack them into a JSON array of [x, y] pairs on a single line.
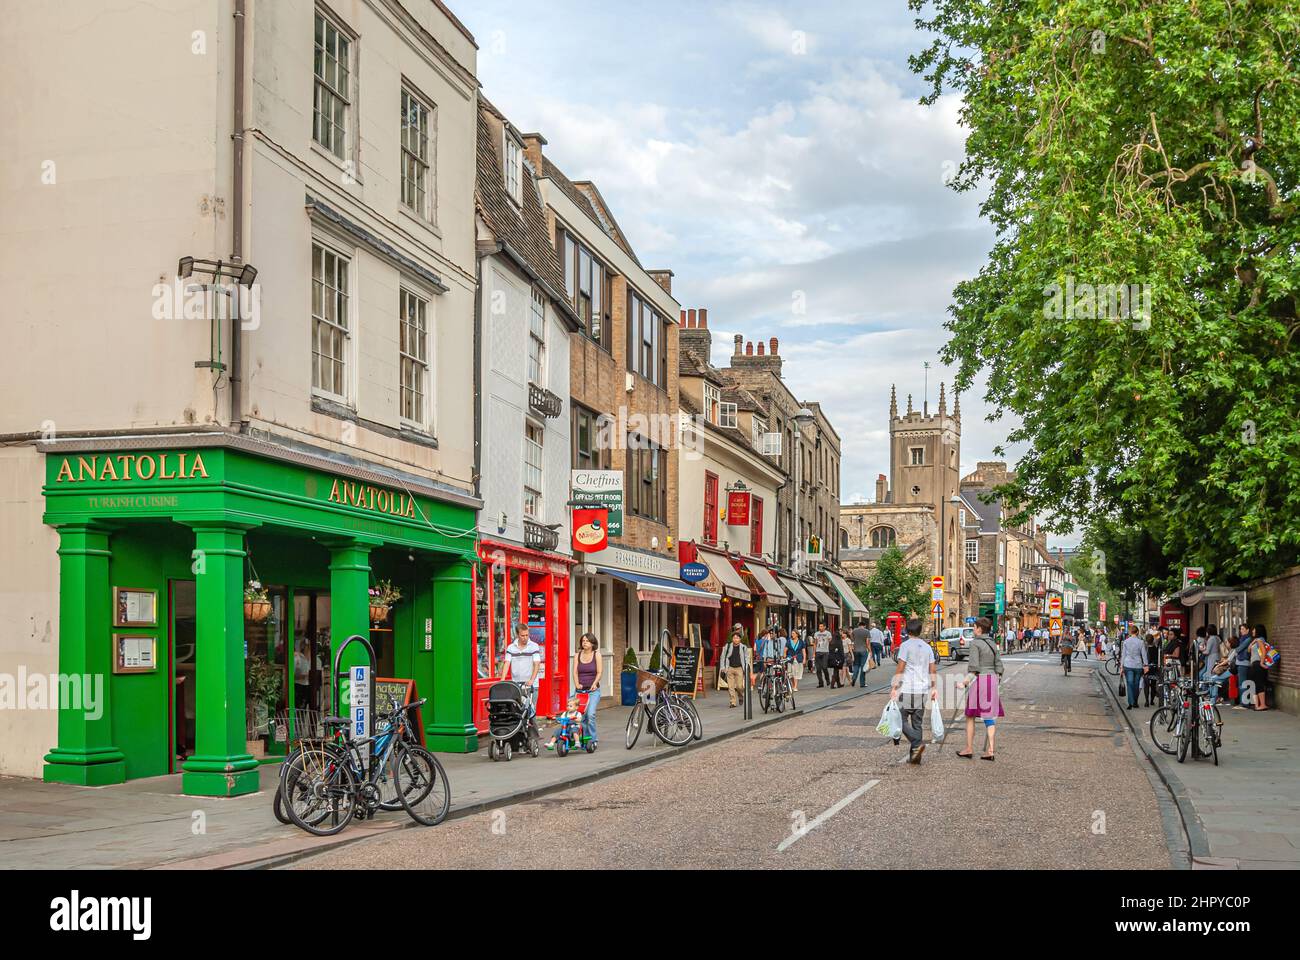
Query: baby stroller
[[511, 723]]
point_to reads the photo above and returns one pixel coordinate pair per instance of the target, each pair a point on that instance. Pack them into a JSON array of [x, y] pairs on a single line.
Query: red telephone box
[[895, 626], [1174, 616]]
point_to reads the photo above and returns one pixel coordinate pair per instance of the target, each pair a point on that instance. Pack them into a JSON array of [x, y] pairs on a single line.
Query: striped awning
[[846, 593], [799, 597], [660, 590], [733, 585], [823, 599], [766, 579]]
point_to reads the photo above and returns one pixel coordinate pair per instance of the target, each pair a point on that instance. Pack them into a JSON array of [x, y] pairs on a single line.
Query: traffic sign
[[937, 583], [1192, 575], [1054, 604], [1055, 628], [937, 610]]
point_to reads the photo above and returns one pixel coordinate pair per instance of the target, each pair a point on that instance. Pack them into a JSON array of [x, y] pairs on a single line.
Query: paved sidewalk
[[148, 823], [1244, 813]]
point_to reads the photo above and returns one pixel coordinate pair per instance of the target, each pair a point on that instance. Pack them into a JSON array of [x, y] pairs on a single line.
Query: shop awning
[[766, 579], [823, 599], [846, 593], [722, 570], [660, 590], [798, 594]]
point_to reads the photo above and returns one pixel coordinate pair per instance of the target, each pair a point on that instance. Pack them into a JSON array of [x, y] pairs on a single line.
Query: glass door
[[268, 670], [312, 687], [181, 645]]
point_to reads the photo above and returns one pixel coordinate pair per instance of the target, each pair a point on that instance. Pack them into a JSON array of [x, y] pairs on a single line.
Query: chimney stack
[[695, 336], [881, 486], [664, 278], [533, 143]]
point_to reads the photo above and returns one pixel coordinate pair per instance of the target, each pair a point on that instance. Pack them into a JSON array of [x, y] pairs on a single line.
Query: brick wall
[[1276, 604]]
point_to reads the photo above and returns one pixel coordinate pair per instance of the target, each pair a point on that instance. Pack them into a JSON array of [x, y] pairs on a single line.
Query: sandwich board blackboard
[[686, 670]]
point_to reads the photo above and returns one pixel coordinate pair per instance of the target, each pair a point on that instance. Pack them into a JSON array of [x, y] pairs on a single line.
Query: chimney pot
[[704, 317], [760, 348], [683, 318], [739, 340], [749, 349], [690, 318], [774, 343]]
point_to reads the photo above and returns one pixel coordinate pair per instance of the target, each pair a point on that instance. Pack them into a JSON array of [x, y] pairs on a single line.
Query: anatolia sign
[[372, 498], [132, 466]]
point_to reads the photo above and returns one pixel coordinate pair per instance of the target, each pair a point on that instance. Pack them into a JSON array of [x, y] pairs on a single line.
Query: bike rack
[[338, 658]]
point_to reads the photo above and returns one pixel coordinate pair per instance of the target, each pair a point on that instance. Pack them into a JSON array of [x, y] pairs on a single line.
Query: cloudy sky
[[771, 154]]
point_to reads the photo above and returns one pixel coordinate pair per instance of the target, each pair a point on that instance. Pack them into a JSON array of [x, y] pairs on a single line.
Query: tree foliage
[[896, 585], [1146, 143]]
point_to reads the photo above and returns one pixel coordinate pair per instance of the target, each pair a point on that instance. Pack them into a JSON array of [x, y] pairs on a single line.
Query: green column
[[221, 765], [449, 715], [85, 754], [349, 603]]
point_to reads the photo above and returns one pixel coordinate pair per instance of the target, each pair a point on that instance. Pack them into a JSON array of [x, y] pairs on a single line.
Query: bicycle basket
[[657, 682]]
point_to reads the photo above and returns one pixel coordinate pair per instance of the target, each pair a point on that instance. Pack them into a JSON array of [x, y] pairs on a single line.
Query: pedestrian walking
[[877, 643], [835, 659], [983, 702], [915, 677], [737, 661], [822, 649], [1135, 664], [861, 654], [1151, 679], [584, 677], [523, 663]]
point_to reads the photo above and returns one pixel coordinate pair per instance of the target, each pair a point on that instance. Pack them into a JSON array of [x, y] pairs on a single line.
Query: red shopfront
[[513, 584]]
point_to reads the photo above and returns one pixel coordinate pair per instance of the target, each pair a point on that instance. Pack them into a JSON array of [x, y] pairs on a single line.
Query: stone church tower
[[923, 498]]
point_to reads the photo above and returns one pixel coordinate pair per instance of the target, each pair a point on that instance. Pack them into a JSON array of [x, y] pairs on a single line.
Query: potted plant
[[382, 597], [257, 601], [627, 678], [261, 692]]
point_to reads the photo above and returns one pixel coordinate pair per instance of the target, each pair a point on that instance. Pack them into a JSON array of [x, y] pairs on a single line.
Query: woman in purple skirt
[[983, 674]]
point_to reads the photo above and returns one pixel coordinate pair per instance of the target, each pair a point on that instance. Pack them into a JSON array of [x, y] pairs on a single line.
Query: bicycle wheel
[[1112, 666], [423, 787], [765, 696], [697, 725], [1207, 740], [293, 783], [386, 783], [778, 697], [1163, 723], [321, 792], [635, 719], [1184, 737], [673, 724]]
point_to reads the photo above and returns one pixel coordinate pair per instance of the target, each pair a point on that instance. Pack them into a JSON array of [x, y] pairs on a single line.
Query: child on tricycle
[[569, 734]]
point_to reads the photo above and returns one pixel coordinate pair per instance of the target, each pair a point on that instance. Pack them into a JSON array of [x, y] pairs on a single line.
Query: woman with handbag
[[983, 676], [835, 660]]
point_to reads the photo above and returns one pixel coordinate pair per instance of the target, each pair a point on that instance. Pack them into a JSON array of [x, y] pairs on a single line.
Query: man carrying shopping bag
[[916, 676]]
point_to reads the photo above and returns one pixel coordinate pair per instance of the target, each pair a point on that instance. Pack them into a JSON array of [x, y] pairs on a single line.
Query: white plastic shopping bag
[[936, 722], [891, 721]]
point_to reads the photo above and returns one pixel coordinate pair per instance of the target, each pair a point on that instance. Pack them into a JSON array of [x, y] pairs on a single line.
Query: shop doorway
[[313, 686], [181, 634]]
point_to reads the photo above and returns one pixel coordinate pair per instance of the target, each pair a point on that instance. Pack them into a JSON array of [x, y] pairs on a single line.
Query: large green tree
[[1151, 146], [896, 585]]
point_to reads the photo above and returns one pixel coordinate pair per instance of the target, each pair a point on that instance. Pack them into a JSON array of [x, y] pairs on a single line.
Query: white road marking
[[823, 817]]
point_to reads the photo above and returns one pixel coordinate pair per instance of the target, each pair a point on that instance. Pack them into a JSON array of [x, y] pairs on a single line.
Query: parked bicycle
[[328, 783], [671, 716], [774, 689], [1192, 723]]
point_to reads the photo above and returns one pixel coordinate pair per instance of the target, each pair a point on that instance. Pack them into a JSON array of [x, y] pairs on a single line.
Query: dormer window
[[712, 400], [514, 169]]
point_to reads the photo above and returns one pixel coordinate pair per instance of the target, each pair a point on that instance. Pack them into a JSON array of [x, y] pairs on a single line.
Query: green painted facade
[[196, 522]]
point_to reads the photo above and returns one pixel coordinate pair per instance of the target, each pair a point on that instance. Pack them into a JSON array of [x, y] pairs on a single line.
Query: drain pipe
[[237, 222], [478, 371]]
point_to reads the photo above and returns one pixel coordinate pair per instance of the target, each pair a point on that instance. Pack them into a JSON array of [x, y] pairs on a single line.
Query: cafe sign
[[368, 497]]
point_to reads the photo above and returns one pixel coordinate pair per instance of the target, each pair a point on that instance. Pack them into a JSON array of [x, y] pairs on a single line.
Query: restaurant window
[[647, 479], [590, 445]]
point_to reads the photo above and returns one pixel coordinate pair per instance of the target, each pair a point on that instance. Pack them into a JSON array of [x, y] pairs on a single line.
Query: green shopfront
[[157, 546]]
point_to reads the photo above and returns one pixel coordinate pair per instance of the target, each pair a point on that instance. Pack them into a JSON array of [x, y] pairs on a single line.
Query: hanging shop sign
[[590, 529], [1000, 599], [1192, 575], [604, 488], [694, 572], [738, 508]]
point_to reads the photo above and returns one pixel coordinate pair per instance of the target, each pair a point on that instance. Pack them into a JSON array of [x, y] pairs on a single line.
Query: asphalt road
[[825, 790]]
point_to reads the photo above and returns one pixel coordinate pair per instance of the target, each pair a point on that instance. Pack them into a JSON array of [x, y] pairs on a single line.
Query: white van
[[959, 641]]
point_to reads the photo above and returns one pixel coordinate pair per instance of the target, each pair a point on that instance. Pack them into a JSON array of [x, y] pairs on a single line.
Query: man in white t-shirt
[[523, 662], [915, 677]]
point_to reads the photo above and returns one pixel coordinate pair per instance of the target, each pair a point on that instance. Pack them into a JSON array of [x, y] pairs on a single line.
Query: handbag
[[1222, 667], [1122, 691], [1268, 654]]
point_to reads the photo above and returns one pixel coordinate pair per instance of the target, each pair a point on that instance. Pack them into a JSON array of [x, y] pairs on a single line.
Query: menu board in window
[[134, 654], [135, 608]]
